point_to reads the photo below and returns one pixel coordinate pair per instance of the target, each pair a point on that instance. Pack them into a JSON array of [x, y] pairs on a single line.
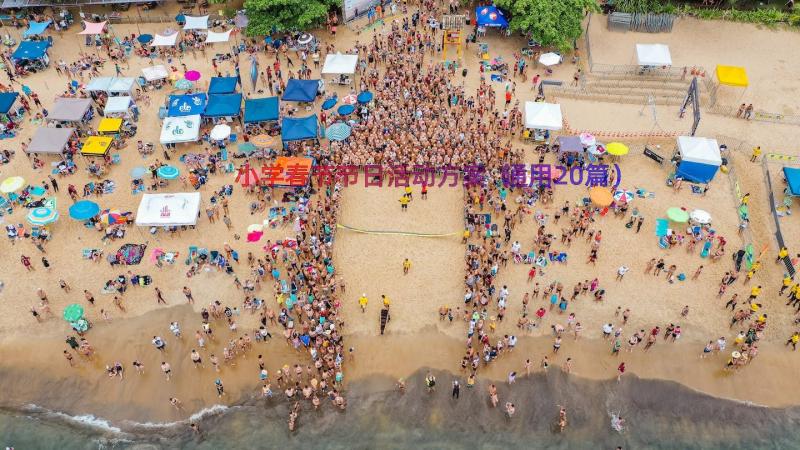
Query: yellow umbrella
[[262, 140], [617, 149], [12, 184], [601, 196]]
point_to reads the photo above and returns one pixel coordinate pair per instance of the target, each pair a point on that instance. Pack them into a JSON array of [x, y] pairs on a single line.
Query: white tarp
[[340, 64], [543, 116], [165, 41], [180, 129], [213, 36], [196, 23], [699, 150], [153, 73], [653, 55], [116, 105], [168, 209]]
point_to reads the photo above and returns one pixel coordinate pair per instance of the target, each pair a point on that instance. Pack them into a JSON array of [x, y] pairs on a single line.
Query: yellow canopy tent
[[96, 145], [109, 125], [732, 76]]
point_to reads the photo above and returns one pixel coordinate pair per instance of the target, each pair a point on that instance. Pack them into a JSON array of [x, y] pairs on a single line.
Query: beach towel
[[706, 249], [130, 254], [696, 189], [661, 227], [497, 78]]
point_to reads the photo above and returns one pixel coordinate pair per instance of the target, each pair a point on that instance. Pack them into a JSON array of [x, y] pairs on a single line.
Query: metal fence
[[758, 115], [613, 95]]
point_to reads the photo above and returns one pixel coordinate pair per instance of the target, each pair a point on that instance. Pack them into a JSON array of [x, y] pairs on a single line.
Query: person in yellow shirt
[[787, 283], [754, 307], [465, 236], [745, 199], [386, 302], [408, 192], [755, 291], [782, 253], [794, 340], [406, 266], [756, 154], [404, 203], [363, 302]]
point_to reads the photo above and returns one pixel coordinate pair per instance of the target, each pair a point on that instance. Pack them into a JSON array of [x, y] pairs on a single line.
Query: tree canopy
[[550, 22], [267, 16]]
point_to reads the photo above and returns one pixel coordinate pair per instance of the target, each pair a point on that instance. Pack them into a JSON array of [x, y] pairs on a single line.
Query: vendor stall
[[260, 110], [70, 110], [109, 126], [223, 85], [341, 65], [299, 128], [187, 105], [542, 118], [96, 145], [154, 73], [178, 130], [650, 56], [111, 85], [50, 140], [223, 105], [301, 90], [31, 55], [117, 106], [699, 159], [178, 209]]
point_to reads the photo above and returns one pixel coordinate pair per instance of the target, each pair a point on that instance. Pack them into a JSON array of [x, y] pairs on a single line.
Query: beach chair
[[35, 231], [214, 254], [116, 158]]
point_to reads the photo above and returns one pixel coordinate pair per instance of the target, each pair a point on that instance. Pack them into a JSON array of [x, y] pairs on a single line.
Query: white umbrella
[[550, 59], [587, 139], [220, 132], [700, 216], [623, 196]]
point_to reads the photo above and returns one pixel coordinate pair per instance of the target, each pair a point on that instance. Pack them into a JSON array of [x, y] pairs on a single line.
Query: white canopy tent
[[196, 23], [543, 116], [117, 105], [121, 85], [340, 64], [177, 130], [175, 209], [653, 55], [214, 37], [165, 41], [99, 84], [154, 73], [699, 150]]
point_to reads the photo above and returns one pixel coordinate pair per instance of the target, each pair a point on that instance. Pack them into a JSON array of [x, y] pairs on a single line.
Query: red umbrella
[[192, 75]]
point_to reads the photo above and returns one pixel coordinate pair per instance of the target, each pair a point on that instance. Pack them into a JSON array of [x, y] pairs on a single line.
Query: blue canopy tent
[[7, 100], [222, 85], [187, 105], [299, 128], [700, 159], [36, 28], [223, 105], [792, 175], [301, 90], [261, 110], [490, 16], [31, 50]]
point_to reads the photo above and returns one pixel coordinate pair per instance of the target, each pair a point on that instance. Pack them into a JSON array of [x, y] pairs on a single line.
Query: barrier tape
[[400, 233]]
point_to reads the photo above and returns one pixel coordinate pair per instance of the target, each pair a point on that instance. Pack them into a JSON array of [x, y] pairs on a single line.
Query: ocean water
[[658, 414]]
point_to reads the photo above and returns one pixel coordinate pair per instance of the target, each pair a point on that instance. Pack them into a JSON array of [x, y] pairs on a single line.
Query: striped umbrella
[[110, 217], [262, 140], [350, 99], [183, 84], [623, 196], [42, 216], [338, 131], [168, 172]]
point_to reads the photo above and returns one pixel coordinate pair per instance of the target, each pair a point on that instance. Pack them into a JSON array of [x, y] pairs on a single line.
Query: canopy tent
[[700, 159], [180, 129], [109, 125], [50, 140], [653, 55], [792, 175], [112, 85], [223, 105], [214, 37], [732, 76], [490, 16], [223, 85], [98, 84], [169, 40], [299, 128], [196, 23], [117, 105], [187, 104], [301, 90], [153, 73], [29, 50], [7, 100], [295, 171], [96, 145], [543, 116], [93, 28], [69, 109], [176, 209], [570, 144], [340, 64], [36, 28], [261, 109]]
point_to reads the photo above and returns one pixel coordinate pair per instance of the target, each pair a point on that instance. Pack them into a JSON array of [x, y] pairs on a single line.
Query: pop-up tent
[[7, 100], [117, 105], [196, 23], [36, 28], [299, 128], [214, 37], [340, 64], [186, 104], [700, 159], [69, 109], [301, 90], [180, 129], [223, 105], [31, 50], [261, 110], [50, 140], [111, 85], [169, 40], [154, 73], [732, 76], [792, 175], [223, 85], [570, 144], [543, 116], [653, 55], [490, 16], [176, 209], [96, 145]]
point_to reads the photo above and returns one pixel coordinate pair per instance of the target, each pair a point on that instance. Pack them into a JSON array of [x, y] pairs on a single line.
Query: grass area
[[763, 13]]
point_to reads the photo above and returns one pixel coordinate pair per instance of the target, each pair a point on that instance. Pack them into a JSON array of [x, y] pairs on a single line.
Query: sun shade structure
[[96, 145], [490, 16], [214, 37], [169, 40], [261, 109], [42, 216], [50, 140], [617, 149], [168, 209], [223, 105], [154, 73], [700, 159], [676, 214], [653, 55], [299, 128], [112, 85], [732, 76], [109, 125], [83, 210], [543, 116], [222, 85], [117, 105], [301, 90], [570, 144], [69, 109], [29, 50], [36, 28], [196, 23], [601, 196], [187, 104], [7, 100], [177, 130], [93, 28], [340, 64]]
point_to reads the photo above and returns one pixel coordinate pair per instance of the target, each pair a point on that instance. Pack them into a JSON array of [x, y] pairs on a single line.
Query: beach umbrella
[[262, 140], [338, 131], [12, 184], [345, 110], [183, 84], [700, 216], [73, 312], [42, 216], [180, 18], [350, 99], [241, 20], [220, 132], [550, 59], [84, 210], [679, 215], [623, 196], [110, 217], [329, 103], [192, 75], [365, 97], [168, 172], [138, 172], [587, 139], [144, 38], [254, 71], [597, 149], [617, 149], [305, 38], [81, 325], [600, 196], [254, 236]]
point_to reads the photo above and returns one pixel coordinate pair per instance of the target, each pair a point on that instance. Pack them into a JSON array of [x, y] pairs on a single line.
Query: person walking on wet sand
[[620, 370], [456, 389], [220, 388], [159, 297]]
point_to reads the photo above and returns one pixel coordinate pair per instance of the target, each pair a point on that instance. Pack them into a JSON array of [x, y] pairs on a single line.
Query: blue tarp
[[299, 128], [792, 175], [36, 28], [696, 172], [223, 85], [6, 100], [490, 16], [31, 50], [186, 105], [261, 109], [223, 105], [301, 90]]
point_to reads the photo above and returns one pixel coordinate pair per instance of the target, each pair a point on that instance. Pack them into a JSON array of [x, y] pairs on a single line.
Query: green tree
[[549, 22], [268, 15]]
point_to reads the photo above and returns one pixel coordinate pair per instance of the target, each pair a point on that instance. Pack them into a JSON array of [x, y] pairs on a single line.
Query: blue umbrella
[[183, 84], [338, 132], [365, 97], [138, 172], [329, 103], [180, 18], [277, 43], [84, 210], [168, 172], [346, 109], [144, 38], [42, 216]]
